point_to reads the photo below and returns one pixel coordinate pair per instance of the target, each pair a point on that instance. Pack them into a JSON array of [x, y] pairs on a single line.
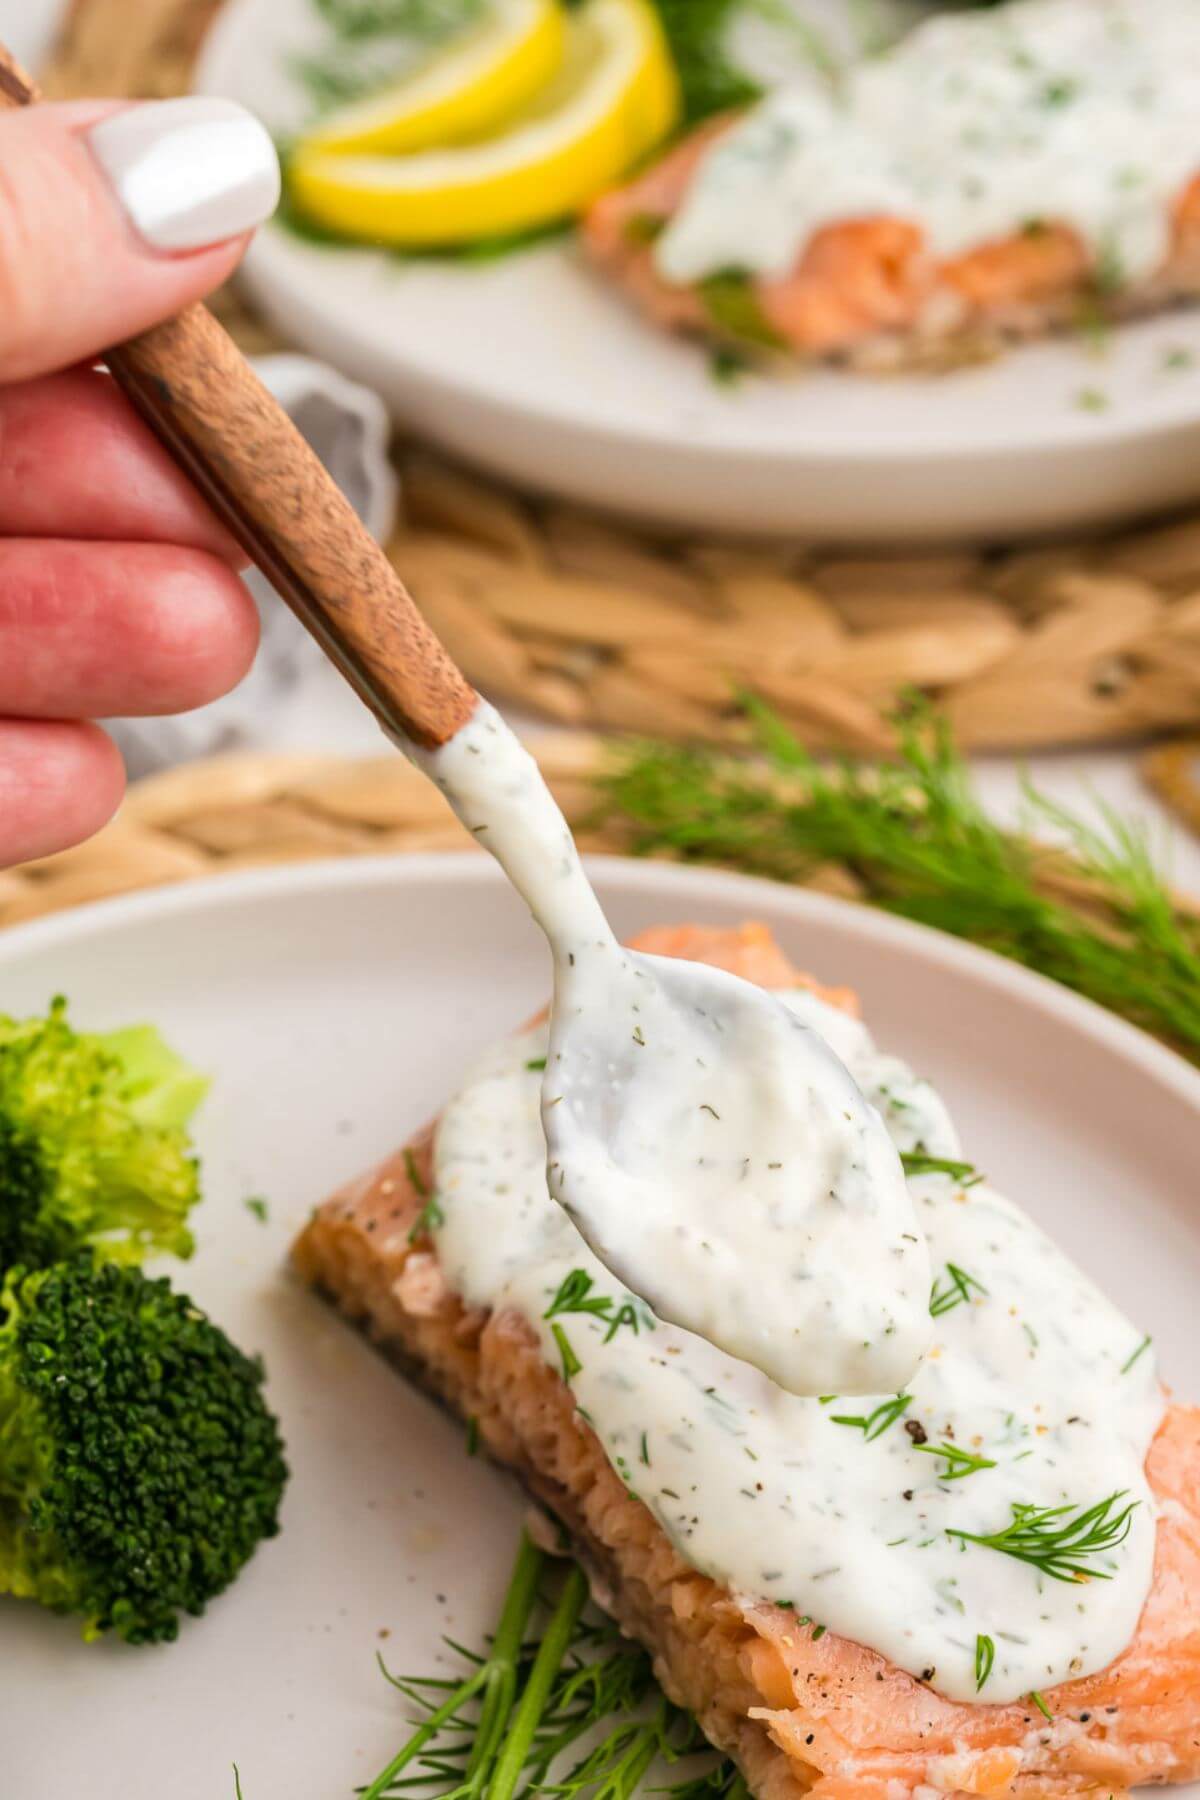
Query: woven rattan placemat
[[590, 624], [253, 810]]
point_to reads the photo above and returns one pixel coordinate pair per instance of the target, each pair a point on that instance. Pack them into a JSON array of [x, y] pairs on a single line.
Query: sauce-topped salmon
[[804, 1709], [997, 173]]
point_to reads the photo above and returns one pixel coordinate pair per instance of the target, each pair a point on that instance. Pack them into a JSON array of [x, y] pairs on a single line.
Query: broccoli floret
[[93, 1146], [139, 1463]]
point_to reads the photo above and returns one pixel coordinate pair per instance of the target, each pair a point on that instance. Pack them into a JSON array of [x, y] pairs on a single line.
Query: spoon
[[712, 1150], [708, 1144]]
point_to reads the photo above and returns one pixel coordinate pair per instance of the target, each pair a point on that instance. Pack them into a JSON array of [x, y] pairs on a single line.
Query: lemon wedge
[[615, 95], [479, 80]]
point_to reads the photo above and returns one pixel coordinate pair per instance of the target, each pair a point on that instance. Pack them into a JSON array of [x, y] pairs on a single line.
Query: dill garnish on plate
[[915, 840], [558, 1703]]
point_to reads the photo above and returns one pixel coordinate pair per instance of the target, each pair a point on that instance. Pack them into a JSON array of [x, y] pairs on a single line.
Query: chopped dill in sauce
[[918, 1162], [874, 1424], [955, 1291], [571, 1364], [575, 1296], [959, 1463]]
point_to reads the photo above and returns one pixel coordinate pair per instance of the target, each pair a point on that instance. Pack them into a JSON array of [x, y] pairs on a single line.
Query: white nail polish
[[188, 172]]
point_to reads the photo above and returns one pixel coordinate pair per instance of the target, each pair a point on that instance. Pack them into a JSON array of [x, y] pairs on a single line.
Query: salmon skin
[[825, 1717], [867, 290]]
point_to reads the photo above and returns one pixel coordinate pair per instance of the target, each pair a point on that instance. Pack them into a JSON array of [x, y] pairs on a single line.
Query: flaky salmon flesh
[[868, 289], [802, 1715]]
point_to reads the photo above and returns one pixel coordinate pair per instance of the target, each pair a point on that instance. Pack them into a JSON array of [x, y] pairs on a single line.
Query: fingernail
[[190, 172]]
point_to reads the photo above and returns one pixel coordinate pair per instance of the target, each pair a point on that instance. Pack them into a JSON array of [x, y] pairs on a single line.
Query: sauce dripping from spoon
[[706, 1142]]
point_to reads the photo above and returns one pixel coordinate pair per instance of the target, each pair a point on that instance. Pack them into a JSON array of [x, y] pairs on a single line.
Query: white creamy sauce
[[1032, 1370], [705, 1140], [1079, 112]]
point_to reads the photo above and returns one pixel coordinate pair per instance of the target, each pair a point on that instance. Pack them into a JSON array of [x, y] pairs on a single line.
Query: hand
[[119, 592]]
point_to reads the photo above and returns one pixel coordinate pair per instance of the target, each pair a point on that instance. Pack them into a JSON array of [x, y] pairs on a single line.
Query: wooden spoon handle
[[194, 388]]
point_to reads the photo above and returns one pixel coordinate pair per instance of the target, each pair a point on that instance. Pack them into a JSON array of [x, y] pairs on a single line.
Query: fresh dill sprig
[[874, 1424], [1040, 1703], [1058, 1544], [917, 1162], [571, 1364], [428, 1219], [493, 1683], [1140, 1351], [954, 1292], [431, 1214], [536, 1063], [724, 1781], [258, 1207], [237, 1784], [575, 1296], [732, 304], [959, 1463], [985, 1658], [917, 841], [552, 1678]]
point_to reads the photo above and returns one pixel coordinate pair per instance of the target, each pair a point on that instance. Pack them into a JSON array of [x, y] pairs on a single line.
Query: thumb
[[114, 217]]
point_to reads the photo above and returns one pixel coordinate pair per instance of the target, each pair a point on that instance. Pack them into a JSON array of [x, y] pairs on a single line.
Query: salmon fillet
[[828, 1717], [867, 290]]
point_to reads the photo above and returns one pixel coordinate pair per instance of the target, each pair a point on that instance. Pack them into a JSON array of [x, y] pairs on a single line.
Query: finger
[[59, 783], [113, 217], [76, 461], [95, 630]]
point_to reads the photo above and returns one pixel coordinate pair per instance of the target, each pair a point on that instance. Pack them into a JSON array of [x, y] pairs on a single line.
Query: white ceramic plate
[[532, 366], [336, 1007]]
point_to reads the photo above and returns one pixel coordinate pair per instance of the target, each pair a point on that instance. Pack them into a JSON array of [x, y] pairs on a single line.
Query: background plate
[[336, 1007], [535, 368]]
